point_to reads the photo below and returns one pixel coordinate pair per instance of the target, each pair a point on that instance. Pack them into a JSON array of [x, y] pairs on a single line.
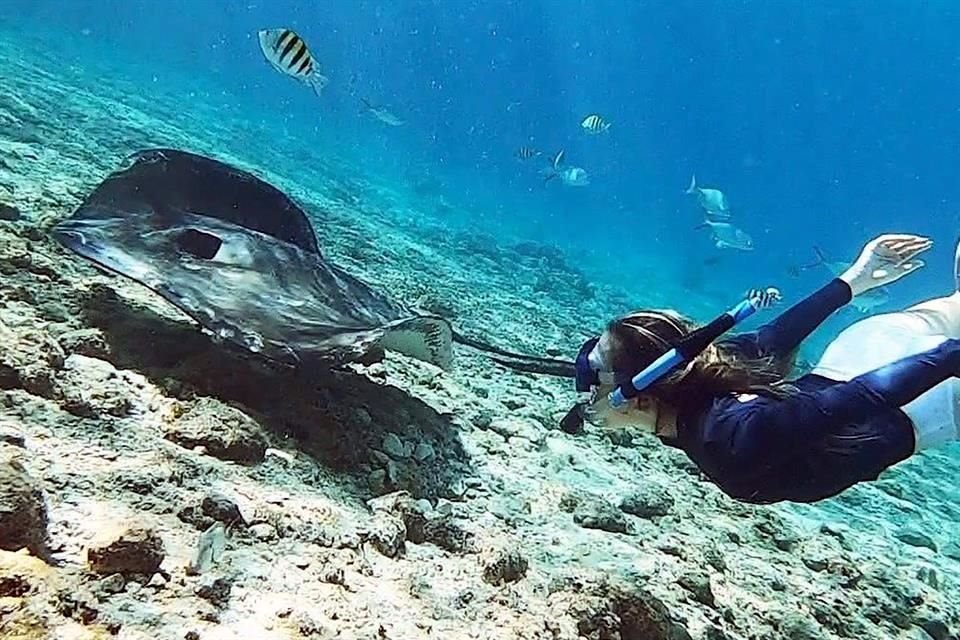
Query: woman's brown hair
[[641, 337]]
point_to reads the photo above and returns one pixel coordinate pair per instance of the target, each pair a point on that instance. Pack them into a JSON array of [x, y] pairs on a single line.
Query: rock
[[138, 550], [377, 481], [423, 452], [483, 419], [916, 538], [11, 436], [9, 213], [263, 531], [501, 566], [387, 535], [21, 574], [90, 388], [23, 510], [392, 445], [600, 514], [223, 431], [221, 508], [85, 342], [106, 587], [157, 581], [936, 628], [796, 626], [648, 501], [698, 585], [215, 590], [29, 360], [513, 427]]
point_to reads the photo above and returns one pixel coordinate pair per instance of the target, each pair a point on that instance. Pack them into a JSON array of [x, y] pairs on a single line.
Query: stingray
[[241, 259]]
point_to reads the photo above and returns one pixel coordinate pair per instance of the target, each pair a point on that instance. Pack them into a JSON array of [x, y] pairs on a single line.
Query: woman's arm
[[883, 260], [789, 329], [766, 428]]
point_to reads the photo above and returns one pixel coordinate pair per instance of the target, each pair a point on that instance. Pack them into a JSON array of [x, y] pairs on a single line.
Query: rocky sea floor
[[389, 499]]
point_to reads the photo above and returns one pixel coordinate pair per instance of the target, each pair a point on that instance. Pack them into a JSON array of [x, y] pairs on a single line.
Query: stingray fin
[[427, 338]]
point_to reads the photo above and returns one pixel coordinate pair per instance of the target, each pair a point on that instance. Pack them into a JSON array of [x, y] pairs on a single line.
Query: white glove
[[885, 260]]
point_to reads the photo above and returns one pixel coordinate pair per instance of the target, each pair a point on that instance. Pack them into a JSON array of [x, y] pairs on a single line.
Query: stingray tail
[[520, 361]]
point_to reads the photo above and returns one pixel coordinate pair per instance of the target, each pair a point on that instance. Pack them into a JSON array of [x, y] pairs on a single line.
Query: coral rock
[[136, 550]]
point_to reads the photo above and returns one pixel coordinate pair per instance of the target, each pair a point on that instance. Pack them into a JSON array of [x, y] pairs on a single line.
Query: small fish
[[210, 548], [594, 124], [382, 114], [288, 54], [727, 236], [712, 200], [570, 176], [527, 153]]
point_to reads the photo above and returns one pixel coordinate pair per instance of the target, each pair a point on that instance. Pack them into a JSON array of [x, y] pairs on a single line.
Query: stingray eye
[[199, 244]]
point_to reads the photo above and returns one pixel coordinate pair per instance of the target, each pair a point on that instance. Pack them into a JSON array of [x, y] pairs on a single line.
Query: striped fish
[[526, 153], [288, 54], [594, 124]]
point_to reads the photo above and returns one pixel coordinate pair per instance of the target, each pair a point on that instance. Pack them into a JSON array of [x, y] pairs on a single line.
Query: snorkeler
[[884, 389]]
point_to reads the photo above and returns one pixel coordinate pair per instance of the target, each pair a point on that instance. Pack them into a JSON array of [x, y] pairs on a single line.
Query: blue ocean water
[[825, 123]]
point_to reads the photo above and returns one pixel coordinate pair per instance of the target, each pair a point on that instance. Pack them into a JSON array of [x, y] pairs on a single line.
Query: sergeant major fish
[[594, 124], [288, 54]]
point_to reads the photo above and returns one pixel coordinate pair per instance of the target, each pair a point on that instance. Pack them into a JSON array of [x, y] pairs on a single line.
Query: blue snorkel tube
[[693, 345]]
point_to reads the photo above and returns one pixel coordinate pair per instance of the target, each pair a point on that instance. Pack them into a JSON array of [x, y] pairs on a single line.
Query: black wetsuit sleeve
[[788, 330], [774, 428]]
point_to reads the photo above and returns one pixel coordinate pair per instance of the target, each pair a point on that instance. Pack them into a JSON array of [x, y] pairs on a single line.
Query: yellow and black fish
[[526, 153], [594, 124], [288, 54]]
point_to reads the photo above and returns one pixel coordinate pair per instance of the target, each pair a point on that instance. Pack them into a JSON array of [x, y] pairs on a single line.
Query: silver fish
[[288, 54], [570, 176], [865, 302], [727, 236], [713, 201], [382, 114], [210, 548]]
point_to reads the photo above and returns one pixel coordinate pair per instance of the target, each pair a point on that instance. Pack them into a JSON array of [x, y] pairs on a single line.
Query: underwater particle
[[137, 550]]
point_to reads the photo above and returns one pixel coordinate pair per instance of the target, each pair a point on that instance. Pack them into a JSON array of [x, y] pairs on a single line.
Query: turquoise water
[[824, 123]]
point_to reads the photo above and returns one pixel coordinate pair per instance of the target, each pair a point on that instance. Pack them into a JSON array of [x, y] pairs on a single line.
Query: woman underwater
[[884, 389]]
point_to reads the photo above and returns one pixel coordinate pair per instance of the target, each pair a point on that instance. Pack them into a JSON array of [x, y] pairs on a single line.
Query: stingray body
[[240, 258]]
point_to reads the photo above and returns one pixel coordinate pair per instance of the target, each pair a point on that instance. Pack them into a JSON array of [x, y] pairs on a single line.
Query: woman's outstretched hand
[[885, 260]]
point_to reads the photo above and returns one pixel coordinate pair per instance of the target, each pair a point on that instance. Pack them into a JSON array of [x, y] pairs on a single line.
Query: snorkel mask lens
[[586, 376]]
